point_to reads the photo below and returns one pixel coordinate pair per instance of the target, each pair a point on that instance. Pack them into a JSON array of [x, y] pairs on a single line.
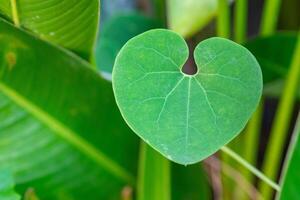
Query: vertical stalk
[[281, 123], [250, 145], [223, 20], [251, 139], [153, 175], [270, 16], [14, 12], [223, 30], [240, 20]]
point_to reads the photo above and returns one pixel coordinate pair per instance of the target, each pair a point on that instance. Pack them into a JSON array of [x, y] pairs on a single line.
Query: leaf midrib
[[68, 135]]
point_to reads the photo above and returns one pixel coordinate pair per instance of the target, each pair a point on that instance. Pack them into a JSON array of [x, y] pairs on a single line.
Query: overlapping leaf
[[60, 131], [115, 33], [7, 186], [70, 24]]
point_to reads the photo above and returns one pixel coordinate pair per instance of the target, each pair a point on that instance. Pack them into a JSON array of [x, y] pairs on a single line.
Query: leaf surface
[[7, 186], [190, 16], [60, 132], [186, 118], [70, 24]]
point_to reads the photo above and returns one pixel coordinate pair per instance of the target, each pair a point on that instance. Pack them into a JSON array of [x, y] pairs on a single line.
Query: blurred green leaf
[[154, 175], [60, 132], [179, 114], [189, 183], [70, 24], [115, 33], [111, 8], [274, 89], [7, 186], [290, 180], [274, 54], [190, 16]]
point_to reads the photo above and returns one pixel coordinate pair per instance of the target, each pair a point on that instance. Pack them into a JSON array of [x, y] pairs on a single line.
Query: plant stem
[[281, 123], [270, 16], [250, 144], [255, 171], [223, 21], [14, 12], [153, 175], [223, 30], [240, 19]]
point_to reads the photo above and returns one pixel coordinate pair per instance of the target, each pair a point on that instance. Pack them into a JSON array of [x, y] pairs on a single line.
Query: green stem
[[270, 16], [14, 12], [223, 30], [153, 175], [250, 145], [279, 130], [240, 20], [223, 21], [248, 166]]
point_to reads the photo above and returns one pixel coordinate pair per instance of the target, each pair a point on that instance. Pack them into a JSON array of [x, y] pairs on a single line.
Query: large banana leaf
[[69, 23], [7, 186], [60, 130]]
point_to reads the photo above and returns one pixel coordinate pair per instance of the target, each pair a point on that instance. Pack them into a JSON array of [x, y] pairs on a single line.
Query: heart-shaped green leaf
[[185, 117]]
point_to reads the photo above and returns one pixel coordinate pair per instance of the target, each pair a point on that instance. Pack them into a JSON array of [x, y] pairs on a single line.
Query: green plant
[[63, 131]]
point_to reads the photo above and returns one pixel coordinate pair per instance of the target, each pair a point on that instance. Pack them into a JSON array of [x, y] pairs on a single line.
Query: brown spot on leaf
[[126, 193], [11, 60]]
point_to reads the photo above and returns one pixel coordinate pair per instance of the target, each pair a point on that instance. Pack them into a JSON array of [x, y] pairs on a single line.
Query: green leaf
[[274, 54], [185, 117], [190, 16], [154, 175], [70, 24], [60, 132], [291, 179], [111, 8], [189, 183], [7, 186], [115, 33], [274, 89]]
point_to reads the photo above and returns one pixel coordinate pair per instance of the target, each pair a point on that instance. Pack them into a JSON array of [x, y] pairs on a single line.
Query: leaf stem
[[281, 123], [14, 11], [240, 20], [255, 171], [270, 16], [223, 20]]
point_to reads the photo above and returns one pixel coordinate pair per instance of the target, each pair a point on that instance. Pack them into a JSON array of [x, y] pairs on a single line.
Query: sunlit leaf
[[185, 117], [190, 16]]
